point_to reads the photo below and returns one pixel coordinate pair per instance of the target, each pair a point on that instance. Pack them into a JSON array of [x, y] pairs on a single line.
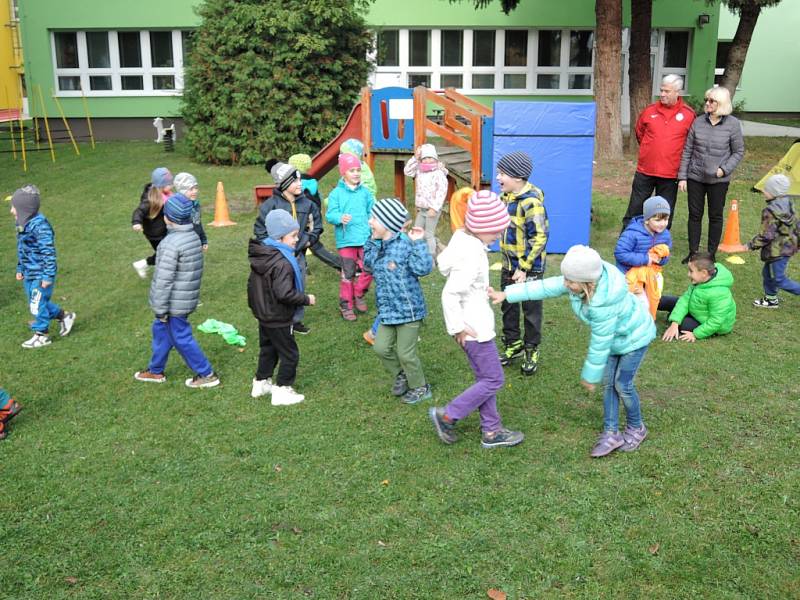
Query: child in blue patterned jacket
[[397, 261], [36, 266]]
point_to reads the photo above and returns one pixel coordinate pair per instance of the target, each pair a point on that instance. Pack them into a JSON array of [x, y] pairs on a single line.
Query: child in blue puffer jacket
[[36, 266], [621, 332], [642, 234], [397, 261]]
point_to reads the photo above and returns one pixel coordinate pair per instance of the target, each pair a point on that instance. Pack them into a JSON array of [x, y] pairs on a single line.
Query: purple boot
[[606, 444]]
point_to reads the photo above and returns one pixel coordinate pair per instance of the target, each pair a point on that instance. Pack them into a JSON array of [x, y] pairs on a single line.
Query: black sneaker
[[417, 395], [400, 386], [444, 429], [511, 351], [502, 437], [766, 302], [301, 329], [530, 361]]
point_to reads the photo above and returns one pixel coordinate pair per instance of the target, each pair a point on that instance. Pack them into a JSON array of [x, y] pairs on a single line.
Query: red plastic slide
[[327, 158]]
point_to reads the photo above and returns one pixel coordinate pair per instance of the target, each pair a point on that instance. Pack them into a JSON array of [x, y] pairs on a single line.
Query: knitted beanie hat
[[279, 223], [655, 205], [178, 209], [486, 213], [516, 164], [284, 175], [301, 162], [184, 182], [161, 177], [777, 185], [390, 213], [352, 146], [428, 151], [26, 201], [347, 162], [582, 263]]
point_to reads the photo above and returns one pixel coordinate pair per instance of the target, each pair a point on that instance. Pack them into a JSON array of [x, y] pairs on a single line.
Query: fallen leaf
[[654, 548], [297, 530], [385, 482], [496, 594], [71, 580], [278, 468], [381, 544], [241, 349]]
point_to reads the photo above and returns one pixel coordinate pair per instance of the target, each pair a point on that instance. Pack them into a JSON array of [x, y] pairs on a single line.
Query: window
[[417, 79], [109, 63], [549, 48], [676, 49], [722, 58], [389, 48], [483, 48], [516, 54], [420, 48], [452, 48], [669, 55]]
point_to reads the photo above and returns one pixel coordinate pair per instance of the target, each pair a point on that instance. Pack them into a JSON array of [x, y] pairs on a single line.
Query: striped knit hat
[[486, 213], [390, 213], [284, 175], [516, 164], [178, 209]]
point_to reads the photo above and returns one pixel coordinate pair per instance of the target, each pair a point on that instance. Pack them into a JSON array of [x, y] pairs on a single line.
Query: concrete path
[[767, 130]]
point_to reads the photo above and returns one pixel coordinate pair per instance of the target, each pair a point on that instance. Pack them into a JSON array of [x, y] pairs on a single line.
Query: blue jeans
[[40, 305], [618, 384], [177, 333], [774, 276]]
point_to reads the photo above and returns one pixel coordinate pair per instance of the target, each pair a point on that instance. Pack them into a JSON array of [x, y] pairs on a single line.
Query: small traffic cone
[[730, 239], [221, 216]]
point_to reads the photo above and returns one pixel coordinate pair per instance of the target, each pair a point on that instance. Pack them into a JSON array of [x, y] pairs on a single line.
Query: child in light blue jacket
[[621, 328]]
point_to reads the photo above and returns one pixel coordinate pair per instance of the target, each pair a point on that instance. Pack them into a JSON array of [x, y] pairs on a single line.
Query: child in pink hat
[[349, 208], [470, 320]]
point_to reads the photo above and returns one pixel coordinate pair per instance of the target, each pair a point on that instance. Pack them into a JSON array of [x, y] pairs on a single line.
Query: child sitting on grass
[[778, 241], [275, 293], [621, 328], [36, 266], [397, 261], [174, 293], [149, 215], [9, 408], [707, 308], [431, 190], [470, 320]]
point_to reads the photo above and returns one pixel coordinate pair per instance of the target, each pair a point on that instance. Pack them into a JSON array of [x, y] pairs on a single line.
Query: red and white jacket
[[661, 132]]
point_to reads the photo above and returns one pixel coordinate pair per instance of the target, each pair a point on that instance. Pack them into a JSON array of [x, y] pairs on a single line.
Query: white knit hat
[[428, 151], [582, 264]]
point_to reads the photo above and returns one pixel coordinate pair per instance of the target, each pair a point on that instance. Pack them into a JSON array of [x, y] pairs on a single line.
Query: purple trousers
[[482, 394]]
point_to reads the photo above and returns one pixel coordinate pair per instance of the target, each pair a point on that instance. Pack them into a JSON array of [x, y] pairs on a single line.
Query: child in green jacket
[[707, 308]]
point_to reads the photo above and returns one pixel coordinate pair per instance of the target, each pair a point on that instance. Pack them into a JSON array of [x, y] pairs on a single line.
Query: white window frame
[[659, 71], [146, 71]]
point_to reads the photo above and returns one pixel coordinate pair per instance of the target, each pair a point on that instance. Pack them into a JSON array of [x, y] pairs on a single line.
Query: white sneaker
[[66, 324], [261, 387], [285, 395], [141, 268], [37, 341]]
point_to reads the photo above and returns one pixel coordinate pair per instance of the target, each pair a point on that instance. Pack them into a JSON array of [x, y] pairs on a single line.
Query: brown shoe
[[149, 377], [361, 305]]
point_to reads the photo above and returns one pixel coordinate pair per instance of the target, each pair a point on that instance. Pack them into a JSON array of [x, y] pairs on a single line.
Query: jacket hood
[[611, 288], [262, 257], [782, 208], [723, 278], [26, 202], [310, 185], [456, 252], [347, 188]]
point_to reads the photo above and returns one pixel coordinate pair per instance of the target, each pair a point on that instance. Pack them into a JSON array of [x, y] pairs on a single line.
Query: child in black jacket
[[275, 292], [149, 215]]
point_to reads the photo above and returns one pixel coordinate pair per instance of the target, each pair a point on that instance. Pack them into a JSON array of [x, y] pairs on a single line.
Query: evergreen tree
[[272, 78]]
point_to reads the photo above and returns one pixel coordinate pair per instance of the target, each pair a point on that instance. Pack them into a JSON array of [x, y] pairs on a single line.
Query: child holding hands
[[621, 328], [470, 320], [397, 261], [431, 190]]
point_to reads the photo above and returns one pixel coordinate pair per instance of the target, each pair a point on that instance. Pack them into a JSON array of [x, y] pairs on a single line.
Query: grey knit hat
[[516, 164], [655, 205], [390, 213], [284, 175], [184, 182], [582, 263], [280, 223], [777, 185], [26, 201]]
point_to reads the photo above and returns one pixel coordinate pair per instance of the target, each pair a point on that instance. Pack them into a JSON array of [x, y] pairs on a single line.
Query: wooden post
[[475, 152], [399, 180], [366, 126], [420, 104]]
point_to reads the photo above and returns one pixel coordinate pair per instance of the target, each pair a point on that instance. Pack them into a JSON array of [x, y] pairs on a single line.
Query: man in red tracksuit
[[661, 132]]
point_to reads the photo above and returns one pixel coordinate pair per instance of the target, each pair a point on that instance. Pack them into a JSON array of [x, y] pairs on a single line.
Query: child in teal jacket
[[621, 328]]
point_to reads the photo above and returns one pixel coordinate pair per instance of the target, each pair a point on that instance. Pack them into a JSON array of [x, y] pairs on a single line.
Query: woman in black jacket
[[149, 215]]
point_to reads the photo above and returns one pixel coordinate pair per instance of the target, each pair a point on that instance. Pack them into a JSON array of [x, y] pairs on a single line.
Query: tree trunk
[[748, 17], [608, 79], [640, 77]]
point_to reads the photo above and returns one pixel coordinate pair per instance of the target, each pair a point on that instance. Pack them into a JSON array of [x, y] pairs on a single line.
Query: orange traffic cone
[[221, 216], [730, 239]]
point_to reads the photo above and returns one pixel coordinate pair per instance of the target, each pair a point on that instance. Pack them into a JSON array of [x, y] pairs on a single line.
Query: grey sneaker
[[37, 341], [633, 436], [66, 324], [417, 395], [400, 386], [501, 437], [606, 444], [444, 428], [210, 380], [766, 302]]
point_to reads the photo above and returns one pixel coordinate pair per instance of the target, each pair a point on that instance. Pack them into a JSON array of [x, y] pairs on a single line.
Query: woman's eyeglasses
[[710, 101]]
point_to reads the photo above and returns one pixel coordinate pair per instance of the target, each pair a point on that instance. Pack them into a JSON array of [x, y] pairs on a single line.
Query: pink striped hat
[[486, 213]]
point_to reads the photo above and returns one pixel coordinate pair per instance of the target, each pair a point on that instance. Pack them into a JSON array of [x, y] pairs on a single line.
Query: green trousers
[[396, 346]]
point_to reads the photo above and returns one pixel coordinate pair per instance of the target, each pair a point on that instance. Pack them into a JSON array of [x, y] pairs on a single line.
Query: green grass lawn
[[116, 489]]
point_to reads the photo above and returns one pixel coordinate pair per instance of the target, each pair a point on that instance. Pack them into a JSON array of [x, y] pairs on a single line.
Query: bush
[[271, 78]]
